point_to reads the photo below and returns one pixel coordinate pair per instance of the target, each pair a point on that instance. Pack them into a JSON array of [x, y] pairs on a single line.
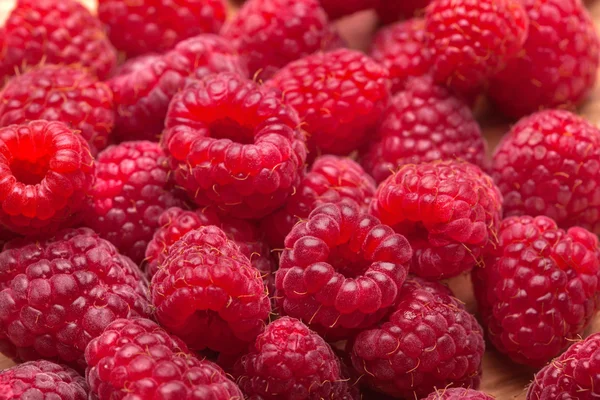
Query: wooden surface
[[501, 378]]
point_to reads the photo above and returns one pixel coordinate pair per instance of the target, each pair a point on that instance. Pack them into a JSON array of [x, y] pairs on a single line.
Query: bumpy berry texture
[[450, 212], [60, 93], [548, 165], [330, 180], [146, 26], [429, 341], [235, 145], [390, 11], [136, 358], [425, 122], [60, 292], [534, 258], [473, 39], [42, 380], [47, 172], [339, 95], [208, 293], [458, 394], [132, 189], [558, 64], [54, 32], [336, 9], [145, 85], [341, 270]]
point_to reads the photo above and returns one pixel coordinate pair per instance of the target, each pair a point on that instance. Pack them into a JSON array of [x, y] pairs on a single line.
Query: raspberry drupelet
[[136, 359], [235, 145], [450, 212], [47, 172], [458, 394]]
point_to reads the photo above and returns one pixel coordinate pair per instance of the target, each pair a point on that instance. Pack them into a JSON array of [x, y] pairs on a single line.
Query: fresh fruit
[[336, 9], [390, 11], [458, 394]]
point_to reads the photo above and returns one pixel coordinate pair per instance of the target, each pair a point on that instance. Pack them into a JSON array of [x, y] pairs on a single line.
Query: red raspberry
[[341, 270], [472, 39], [558, 63], [548, 165], [60, 292], [46, 172], [339, 95], [336, 9], [146, 85], [450, 212], [424, 123], [58, 93], [330, 180], [390, 11], [5, 236], [54, 32], [458, 394], [132, 190], [271, 33], [136, 359], [42, 380], [207, 293], [429, 341], [143, 26], [235, 145]]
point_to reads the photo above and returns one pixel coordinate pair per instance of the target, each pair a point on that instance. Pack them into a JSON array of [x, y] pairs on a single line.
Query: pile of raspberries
[[208, 201]]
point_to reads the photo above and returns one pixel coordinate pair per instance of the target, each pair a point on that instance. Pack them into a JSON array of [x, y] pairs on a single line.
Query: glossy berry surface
[[458, 394]]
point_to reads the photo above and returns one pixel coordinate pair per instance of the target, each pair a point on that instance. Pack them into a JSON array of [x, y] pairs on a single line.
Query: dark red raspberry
[[330, 180], [458, 394], [390, 11], [5, 236], [558, 64], [207, 292], [269, 34], [132, 190], [339, 95], [136, 359], [341, 270], [46, 172], [144, 26], [42, 380], [450, 212], [548, 165], [145, 86], [59, 292], [425, 123], [59, 93], [336, 9], [54, 32], [473, 39], [535, 258], [429, 341], [235, 145]]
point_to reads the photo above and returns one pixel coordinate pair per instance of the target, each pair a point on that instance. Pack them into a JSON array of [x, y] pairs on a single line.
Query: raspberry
[[42, 380], [60, 292], [429, 341], [424, 123], [136, 359], [46, 172], [458, 394], [472, 39], [535, 258], [336, 9], [450, 212], [235, 145], [139, 27], [269, 34], [54, 32], [339, 95], [390, 11], [58, 93], [146, 85], [341, 270], [558, 63], [330, 180], [207, 293], [401, 49], [5, 236], [132, 190], [548, 165]]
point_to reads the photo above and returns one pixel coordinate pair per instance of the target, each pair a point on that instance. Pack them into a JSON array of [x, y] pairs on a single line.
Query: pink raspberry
[[390, 11], [235, 145], [341, 270], [458, 394], [450, 212]]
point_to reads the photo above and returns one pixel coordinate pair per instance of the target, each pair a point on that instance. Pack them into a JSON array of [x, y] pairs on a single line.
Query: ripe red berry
[[144, 26], [336, 9], [450, 212], [390, 11], [235, 145], [60, 93], [458, 394]]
